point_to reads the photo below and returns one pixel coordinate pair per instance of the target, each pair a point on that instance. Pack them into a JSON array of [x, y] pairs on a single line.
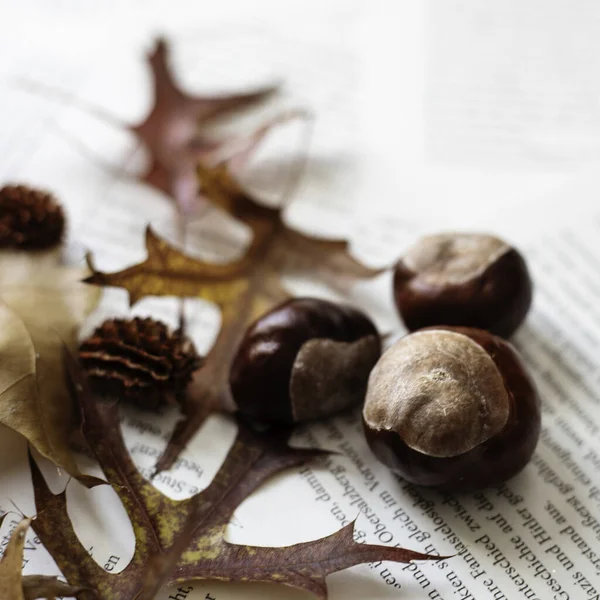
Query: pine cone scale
[[29, 218], [121, 369], [139, 360], [130, 357]]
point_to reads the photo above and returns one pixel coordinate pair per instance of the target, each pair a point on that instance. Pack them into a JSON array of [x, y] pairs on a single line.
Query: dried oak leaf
[[42, 305], [15, 586], [242, 289], [179, 541], [173, 130]]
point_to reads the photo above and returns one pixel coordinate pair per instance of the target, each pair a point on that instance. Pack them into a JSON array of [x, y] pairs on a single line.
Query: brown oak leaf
[[15, 586], [242, 289], [183, 540], [173, 130]]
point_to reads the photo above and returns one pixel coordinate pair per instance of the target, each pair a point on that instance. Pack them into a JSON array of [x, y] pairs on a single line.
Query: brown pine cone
[[139, 360], [29, 219]]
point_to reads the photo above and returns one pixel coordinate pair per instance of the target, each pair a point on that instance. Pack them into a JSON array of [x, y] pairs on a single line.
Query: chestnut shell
[[262, 368], [494, 461], [497, 300]]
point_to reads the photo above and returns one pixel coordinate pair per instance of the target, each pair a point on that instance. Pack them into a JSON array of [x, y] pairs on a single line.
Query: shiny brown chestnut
[[305, 359], [452, 407], [471, 280]]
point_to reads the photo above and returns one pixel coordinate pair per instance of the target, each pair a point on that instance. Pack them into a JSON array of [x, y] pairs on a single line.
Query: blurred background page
[[484, 113]]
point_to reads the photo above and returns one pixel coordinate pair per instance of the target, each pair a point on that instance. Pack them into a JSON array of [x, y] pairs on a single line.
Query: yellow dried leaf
[[169, 272], [42, 305], [11, 579]]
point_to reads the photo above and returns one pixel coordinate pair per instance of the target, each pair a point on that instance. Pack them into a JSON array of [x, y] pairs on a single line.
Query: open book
[[534, 537]]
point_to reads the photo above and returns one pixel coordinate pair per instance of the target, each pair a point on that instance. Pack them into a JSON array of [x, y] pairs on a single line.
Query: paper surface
[[533, 537], [509, 85]]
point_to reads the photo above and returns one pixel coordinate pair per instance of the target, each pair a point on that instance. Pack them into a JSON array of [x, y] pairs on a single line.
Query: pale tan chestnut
[[452, 407]]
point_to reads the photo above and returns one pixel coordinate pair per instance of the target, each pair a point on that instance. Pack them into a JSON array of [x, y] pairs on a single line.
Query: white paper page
[[536, 532], [510, 85], [436, 103]]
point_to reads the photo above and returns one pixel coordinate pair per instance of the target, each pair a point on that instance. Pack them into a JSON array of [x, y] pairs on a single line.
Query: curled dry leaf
[[42, 305], [15, 586], [11, 584], [184, 540], [243, 289]]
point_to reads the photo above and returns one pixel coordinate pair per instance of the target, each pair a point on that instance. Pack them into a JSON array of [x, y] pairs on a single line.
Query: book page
[[532, 537], [477, 113], [511, 85]]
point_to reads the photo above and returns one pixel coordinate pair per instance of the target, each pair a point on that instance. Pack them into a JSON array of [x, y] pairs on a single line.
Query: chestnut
[[452, 407], [305, 359], [467, 279]]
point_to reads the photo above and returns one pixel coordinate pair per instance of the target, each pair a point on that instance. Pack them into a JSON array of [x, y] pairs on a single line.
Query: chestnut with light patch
[[452, 407], [305, 359]]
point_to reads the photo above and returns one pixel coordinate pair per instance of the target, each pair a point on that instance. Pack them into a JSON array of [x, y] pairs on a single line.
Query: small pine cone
[[29, 219], [140, 361]]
